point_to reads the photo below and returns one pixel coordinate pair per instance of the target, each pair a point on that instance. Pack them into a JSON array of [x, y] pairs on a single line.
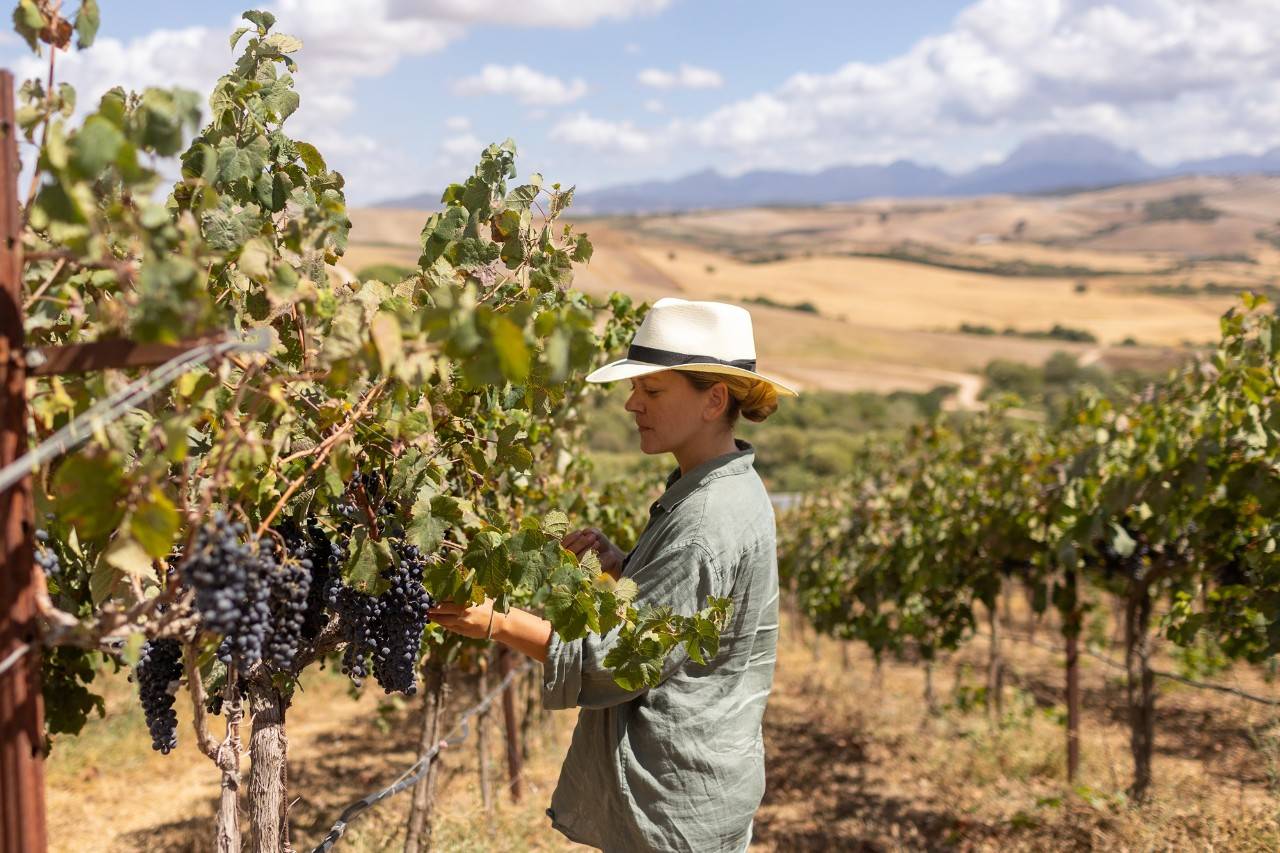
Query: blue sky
[[401, 94]]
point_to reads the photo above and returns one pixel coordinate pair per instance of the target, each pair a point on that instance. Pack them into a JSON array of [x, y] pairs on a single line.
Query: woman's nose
[[631, 405]]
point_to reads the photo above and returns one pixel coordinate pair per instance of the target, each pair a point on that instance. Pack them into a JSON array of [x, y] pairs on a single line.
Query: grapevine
[[1167, 495], [398, 443]]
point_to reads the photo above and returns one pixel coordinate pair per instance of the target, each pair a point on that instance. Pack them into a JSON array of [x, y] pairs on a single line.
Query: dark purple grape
[[158, 671], [386, 629]]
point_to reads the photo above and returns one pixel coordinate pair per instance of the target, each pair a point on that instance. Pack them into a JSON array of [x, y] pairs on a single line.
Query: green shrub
[[387, 273]]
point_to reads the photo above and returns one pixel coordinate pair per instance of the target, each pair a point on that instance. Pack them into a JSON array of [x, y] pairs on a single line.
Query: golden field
[[1087, 261]]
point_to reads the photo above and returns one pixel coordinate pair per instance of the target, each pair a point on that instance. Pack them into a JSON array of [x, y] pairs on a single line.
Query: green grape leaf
[[513, 352], [626, 590], [487, 555], [129, 557], [635, 659], [87, 20], [103, 580], [282, 43], [561, 201], [28, 21], [566, 613], [155, 524], [385, 332], [90, 489], [1121, 541], [555, 523], [263, 20], [522, 197], [366, 563], [311, 158], [96, 145]]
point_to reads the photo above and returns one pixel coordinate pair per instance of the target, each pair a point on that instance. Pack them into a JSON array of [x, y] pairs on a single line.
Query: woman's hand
[[591, 539], [517, 629], [469, 620]]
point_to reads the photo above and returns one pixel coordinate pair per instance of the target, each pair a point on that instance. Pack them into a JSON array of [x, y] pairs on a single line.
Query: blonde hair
[[754, 399]]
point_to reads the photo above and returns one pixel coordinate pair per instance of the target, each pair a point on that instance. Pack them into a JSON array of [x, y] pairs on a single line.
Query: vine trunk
[[1141, 692], [418, 834], [268, 754]]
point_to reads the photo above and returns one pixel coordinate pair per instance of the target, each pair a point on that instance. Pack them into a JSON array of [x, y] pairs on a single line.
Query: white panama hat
[[677, 334]]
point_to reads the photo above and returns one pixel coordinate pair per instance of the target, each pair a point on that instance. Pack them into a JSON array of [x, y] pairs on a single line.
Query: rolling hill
[[879, 290], [1045, 164]]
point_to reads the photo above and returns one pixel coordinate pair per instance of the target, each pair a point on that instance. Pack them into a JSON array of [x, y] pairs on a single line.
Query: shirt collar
[[679, 488]]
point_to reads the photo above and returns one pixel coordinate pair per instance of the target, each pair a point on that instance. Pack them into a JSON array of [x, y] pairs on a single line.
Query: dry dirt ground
[[886, 324], [856, 761]]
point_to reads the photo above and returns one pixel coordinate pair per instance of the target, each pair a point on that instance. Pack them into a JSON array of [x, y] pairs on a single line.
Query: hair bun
[[758, 401]]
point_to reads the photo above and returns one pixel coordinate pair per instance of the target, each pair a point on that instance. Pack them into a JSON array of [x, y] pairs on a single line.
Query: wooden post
[[509, 719], [482, 736], [1071, 629], [1141, 692], [995, 666], [421, 821], [22, 815]]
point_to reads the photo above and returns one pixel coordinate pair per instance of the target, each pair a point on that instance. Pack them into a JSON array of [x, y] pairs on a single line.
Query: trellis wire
[[112, 408], [13, 657], [461, 729], [1159, 673]]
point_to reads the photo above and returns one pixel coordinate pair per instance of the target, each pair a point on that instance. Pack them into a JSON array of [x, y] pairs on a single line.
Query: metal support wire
[[13, 657], [115, 406], [461, 729]]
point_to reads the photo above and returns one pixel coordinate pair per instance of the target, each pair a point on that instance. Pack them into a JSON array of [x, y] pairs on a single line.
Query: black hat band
[[668, 358]]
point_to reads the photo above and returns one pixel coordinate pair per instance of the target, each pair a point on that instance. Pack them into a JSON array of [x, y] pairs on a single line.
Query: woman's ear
[[717, 402]]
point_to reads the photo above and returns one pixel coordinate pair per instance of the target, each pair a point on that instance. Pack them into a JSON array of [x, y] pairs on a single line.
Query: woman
[[679, 766]]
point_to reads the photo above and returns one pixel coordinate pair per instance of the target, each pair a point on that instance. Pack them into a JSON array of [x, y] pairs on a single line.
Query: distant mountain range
[[1043, 164]]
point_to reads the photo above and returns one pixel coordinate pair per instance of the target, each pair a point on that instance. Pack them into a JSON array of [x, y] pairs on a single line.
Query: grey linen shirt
[[679, 766]]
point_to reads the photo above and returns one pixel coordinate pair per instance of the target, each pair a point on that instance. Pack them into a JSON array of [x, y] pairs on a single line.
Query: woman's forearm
[[523, 632]]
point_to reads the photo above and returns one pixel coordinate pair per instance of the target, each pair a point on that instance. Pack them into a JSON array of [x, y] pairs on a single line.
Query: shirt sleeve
[[680, 577]]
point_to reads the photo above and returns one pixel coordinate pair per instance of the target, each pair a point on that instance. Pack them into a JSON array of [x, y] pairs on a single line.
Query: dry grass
[[107, 791], [855, 762]]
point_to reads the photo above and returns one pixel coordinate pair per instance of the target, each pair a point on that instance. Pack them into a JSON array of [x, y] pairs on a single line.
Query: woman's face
[[669, 410]]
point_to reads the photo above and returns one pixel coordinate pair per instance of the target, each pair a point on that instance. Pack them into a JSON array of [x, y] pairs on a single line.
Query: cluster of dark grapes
[[46, 558], [1233, 572], [1010, 565], [159, 667], [326, 563], [1116, 564], [232, 579], [288, 611], [386, 628], [292, 592]]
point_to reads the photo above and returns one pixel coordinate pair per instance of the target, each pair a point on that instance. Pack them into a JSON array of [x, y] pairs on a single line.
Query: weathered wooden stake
[[22, 810], [507, 663], [482, 738], [421, 823]]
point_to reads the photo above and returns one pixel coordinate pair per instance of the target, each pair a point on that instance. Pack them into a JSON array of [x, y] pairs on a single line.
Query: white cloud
[[654, 105], [1172, 78], [606, 136], [341, 47], [528, 13], [465, 147], [457, 123], [161, 58], [685, 77], [632, 49], [522, 82]]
